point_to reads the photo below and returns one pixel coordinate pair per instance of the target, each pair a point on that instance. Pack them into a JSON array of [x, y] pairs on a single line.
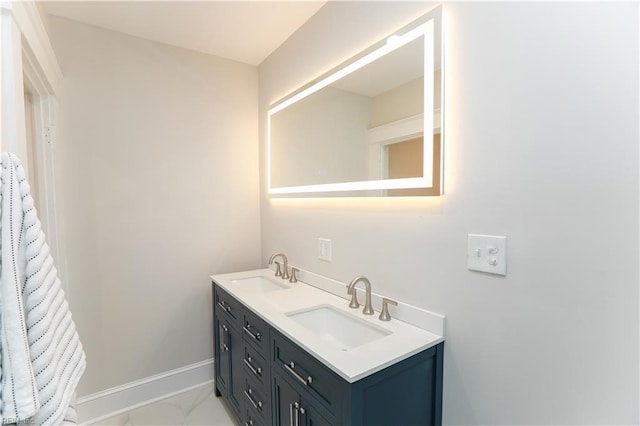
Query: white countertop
[[354, 364]]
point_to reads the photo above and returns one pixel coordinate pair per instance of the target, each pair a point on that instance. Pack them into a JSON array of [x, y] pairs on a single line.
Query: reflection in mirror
[[359, 131]]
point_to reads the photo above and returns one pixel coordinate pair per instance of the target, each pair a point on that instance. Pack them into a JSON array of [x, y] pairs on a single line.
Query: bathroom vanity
[[293, 354]]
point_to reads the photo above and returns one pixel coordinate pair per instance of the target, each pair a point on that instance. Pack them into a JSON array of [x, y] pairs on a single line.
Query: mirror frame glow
[[423, 27]]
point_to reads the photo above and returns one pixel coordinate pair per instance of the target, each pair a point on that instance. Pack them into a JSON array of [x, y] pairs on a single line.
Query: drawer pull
[[256, 405], [290, 368], [247, 330], [224, 306], [256, 371]]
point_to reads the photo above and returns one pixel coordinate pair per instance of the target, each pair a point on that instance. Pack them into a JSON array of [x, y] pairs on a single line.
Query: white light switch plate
[[487, 253], [324, 249]]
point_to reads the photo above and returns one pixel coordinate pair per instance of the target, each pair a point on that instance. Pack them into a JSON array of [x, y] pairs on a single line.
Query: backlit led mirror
[[371, 127]]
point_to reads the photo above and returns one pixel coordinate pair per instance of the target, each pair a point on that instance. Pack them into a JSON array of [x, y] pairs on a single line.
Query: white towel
[[41, 354]]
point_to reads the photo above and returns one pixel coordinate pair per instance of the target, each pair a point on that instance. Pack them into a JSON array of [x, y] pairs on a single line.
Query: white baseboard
[[111, 402]]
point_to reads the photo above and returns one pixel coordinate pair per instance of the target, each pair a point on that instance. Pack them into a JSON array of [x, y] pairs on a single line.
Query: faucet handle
[[278, 270], [384, 313], [293, 278], [354, 299]]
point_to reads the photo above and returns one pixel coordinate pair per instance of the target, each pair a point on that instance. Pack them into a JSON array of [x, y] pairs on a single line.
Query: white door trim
[[28, 61]]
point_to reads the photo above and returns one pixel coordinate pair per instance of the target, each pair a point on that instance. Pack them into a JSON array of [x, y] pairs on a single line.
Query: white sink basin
[[337, 327], [261, 284]]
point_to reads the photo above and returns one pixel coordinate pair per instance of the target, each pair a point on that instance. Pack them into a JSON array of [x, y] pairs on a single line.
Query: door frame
[[28, 64]]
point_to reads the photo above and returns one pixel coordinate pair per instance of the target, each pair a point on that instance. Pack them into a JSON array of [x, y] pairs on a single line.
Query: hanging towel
[[41, 357]]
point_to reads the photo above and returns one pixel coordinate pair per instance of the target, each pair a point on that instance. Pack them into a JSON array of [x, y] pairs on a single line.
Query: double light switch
[[487, 253]]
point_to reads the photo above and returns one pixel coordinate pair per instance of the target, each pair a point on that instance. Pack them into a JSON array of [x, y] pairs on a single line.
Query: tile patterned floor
[[196, 407]]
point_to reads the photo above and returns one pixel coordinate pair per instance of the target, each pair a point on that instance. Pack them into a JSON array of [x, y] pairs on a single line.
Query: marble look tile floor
[[195, 407]]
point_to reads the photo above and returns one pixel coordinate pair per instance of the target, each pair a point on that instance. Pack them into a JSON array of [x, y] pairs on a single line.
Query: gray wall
[[156, 162], [541, 145]]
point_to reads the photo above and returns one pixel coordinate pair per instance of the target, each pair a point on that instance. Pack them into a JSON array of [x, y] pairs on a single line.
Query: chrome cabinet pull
[[290, 368], [302, 413], [290, 414], [224, 306], [256, 371], [297, 414], [221, 338], [256, 405], [225, 337], [295, 410], [247, 330]]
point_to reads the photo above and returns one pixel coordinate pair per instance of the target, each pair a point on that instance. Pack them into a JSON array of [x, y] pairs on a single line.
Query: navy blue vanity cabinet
[[406, 393], [267, 379], [228, 350], [242, 373], [306, 392]]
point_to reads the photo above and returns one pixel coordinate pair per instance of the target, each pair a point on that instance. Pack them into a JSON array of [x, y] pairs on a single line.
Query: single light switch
[[324, 249], [487, 253]]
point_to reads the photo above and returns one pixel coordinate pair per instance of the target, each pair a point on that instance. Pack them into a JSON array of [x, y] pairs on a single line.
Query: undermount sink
[[337, 327], [261, 284]]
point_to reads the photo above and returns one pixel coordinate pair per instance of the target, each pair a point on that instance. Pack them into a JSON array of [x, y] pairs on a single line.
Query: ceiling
[[244, 31]]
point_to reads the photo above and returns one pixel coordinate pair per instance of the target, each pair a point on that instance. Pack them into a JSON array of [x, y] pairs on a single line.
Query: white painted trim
[[402, 129], [28, 60], [387, 134], [390, 133], [2, 65], [14, 133], [37, 43], [111, 402]]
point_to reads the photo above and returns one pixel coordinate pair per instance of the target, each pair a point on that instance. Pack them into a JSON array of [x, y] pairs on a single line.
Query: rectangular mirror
[[360, 130]]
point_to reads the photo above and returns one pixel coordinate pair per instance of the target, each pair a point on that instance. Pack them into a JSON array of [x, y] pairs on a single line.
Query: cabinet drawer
[[318, 380], [256, 399], [227, 303], [256, 332], [255, 365], [252, 418]]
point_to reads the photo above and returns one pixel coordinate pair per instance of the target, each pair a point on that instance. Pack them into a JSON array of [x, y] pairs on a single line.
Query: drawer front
[[252, 418], [256, 399], [255, 365], [224, 302], [305, 370], [256, 333]]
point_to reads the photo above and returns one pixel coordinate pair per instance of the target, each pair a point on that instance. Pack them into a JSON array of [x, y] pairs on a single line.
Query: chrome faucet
[[285, 273], [351, 289]]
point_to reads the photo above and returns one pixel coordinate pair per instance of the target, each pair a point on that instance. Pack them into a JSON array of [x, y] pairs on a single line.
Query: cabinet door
[[222, 364], [311, 415], [285, 401], [294, 410], [236, 372]]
